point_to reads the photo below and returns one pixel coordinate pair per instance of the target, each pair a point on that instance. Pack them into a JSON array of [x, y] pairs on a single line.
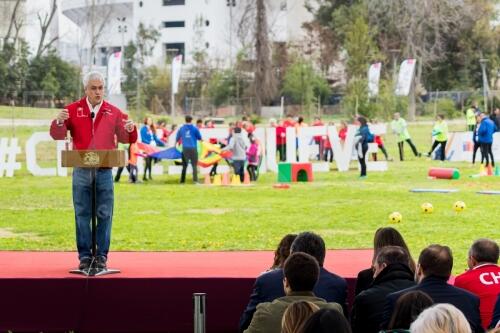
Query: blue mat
[[432, 190], [488, 192]]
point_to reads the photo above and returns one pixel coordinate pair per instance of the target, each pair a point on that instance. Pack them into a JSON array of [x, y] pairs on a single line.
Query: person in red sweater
[[93, 124], [483, 276]]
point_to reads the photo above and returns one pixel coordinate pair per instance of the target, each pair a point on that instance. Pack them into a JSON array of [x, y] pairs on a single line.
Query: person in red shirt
[[343, 131], [93, 124], [280, 139], [483, 276]]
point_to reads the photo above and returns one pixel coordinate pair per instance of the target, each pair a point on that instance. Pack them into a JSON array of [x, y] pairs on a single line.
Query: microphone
[[92, 114]]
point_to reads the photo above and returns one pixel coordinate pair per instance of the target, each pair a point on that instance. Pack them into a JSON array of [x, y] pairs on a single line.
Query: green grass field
[[37, 214]]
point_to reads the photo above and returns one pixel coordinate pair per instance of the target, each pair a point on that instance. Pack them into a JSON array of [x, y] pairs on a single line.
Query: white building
[[220, 27]]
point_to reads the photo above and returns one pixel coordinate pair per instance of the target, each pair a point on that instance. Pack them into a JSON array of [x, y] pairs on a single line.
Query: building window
[[173, 49], [140, 3], [207, 23], [173, 24], [283, 6], [174, 2], [231, 3]]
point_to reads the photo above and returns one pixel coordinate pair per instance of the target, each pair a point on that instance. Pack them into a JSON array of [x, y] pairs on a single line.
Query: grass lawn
[[37, 214]]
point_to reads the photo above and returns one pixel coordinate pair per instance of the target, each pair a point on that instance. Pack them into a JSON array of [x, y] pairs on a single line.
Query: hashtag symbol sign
[[8, 155]]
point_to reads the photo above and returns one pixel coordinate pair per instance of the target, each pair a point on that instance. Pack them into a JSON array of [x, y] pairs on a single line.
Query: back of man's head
[[301, 270], [436, 260], [392, 255], [188, 119], [237, 130], [484, 251], [310, 243]]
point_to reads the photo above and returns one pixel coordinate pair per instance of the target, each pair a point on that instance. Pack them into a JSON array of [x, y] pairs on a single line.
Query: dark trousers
[[474, 151], [442, 148], [252, 171], [328, 155], [239, 169], [213, 171], [119, 174], [487, 153], [132, 173], [189, 154], [282, 152], [401, 148], [362, 159], [384, 151], [148, 165]]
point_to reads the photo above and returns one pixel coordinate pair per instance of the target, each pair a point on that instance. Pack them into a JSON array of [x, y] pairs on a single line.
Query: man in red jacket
[[93, 124], [483, 276]]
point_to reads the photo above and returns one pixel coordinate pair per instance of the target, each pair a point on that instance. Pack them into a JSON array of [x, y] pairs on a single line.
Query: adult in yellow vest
[[440, 135], [400, 128]]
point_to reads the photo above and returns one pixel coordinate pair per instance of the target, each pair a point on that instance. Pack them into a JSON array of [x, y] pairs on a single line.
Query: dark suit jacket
[[368, 308], [363, 281], [269, 286], [496, 313], [441, 292]]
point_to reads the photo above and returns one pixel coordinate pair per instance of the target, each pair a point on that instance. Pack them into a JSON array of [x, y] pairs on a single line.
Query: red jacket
[[280, 135], [93, 135], [484, 282]]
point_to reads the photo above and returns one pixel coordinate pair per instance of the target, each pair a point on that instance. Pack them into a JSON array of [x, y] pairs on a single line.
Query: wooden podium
[[93, 160]]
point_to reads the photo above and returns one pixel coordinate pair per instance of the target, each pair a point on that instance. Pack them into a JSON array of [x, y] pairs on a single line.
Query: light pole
[[231, 4], [483, 63]]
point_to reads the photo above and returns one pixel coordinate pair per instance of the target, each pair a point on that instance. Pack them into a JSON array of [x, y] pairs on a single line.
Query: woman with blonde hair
[[296, 315], [441, 318]]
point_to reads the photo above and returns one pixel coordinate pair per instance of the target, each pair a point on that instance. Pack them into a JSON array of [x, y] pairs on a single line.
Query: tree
[[303, 85], [264, 83], [44, 26]]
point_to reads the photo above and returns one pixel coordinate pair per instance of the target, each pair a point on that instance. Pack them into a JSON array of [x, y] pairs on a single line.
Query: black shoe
[[100, 263], [84, 264]]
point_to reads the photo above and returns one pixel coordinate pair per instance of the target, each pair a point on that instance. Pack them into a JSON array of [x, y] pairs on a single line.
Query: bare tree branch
[[44, 27], [13, 19]]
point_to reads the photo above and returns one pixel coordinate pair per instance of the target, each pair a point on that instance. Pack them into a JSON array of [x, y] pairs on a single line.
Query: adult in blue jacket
[[269, 285], [485, 138], [433, 271], [363, 137], [496, 314], [189, 135]]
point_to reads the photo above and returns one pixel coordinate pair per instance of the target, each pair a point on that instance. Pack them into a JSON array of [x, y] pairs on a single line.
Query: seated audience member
[[407, 309], [433, 271], [391, 274], [301, 272], [296, 315], [441, 318], [283, 251], [269, 285], [483, 277], [495, 321], [383, 237], [326, 321]]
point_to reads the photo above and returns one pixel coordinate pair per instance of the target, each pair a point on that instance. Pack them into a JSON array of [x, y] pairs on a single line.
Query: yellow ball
[[427, 208], [395, 217], [459, 206]]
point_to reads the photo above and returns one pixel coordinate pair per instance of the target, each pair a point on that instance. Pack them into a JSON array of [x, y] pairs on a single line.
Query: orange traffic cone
[[207, 180], [489, 170], [225, 179], [246, 179]]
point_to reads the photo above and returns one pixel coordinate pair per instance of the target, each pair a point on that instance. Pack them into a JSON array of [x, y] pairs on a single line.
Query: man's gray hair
[[92, 75]]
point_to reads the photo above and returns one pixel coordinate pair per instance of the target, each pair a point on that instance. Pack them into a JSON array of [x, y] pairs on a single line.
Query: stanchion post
[[199, 302]]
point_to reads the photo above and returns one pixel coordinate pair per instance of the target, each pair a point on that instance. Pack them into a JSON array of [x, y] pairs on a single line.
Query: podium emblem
[[91, 159]]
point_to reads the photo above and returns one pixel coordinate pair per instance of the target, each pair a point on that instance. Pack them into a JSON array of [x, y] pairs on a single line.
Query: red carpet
[[152, 294]]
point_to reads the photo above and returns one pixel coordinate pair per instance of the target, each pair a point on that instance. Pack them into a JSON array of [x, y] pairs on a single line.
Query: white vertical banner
[[405, 78], [176, 73], [114, 73], [374, 78]]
